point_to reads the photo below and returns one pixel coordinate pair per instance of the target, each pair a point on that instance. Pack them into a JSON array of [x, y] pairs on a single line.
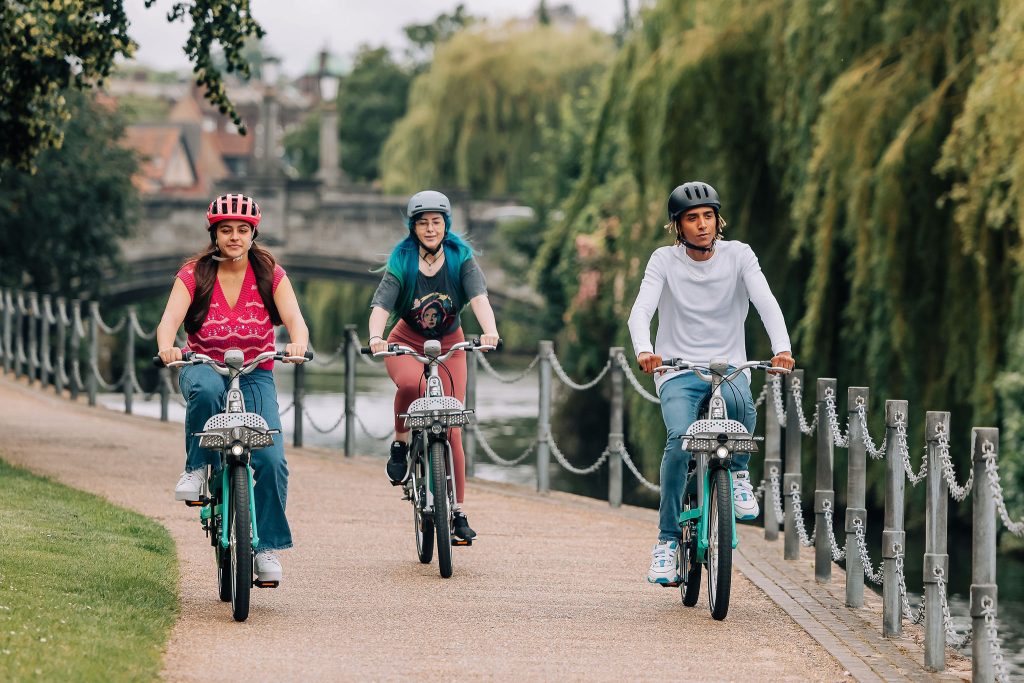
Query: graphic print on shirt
[[433, 314]]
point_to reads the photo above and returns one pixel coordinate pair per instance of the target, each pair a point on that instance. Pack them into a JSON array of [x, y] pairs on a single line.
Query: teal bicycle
[[707, 519], [228, 508]]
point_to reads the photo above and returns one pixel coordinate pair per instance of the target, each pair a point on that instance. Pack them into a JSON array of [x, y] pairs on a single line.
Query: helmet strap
[[217, 257], [704, 250], [689, 245], [432, 252]]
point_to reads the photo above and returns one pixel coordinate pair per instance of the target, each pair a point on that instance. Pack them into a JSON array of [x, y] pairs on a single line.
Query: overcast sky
[[298, 29]]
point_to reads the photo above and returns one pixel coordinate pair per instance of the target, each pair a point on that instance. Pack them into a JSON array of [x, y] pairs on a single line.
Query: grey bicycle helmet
[[690, 195], [428, 200]]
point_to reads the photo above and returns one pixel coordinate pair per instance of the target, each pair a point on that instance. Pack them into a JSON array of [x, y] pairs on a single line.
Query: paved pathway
[[552, 589]]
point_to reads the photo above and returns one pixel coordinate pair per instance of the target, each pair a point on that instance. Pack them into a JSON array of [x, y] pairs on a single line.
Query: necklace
[[433, 261]]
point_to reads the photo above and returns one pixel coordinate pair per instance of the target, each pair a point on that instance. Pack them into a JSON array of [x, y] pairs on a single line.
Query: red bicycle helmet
[[234, 207]]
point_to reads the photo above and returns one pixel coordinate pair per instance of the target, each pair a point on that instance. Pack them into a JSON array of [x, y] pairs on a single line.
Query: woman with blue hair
[[429, 277]]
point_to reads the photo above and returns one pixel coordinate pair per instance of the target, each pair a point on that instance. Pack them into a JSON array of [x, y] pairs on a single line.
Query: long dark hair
[[263, 264]]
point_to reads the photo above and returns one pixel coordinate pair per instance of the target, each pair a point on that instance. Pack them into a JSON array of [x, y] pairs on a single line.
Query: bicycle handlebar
[[703, 370], [192, 358], [402, 350]]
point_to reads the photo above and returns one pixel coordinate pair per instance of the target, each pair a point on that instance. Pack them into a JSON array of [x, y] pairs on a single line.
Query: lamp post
[[330, 173], [266, 149]]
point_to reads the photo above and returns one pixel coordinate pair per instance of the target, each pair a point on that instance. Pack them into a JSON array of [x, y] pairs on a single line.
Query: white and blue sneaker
[[664, 567], [743, 500]]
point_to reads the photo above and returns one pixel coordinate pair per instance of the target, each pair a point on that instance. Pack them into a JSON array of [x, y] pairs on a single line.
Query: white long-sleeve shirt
[[702, 305]]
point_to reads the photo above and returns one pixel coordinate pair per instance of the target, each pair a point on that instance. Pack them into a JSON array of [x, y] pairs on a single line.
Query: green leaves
[[472, 119], [49, 45], [59, 224], [46, 47]]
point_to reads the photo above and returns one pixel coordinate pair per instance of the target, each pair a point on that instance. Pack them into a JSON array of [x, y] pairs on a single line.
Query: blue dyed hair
[[403, 263]]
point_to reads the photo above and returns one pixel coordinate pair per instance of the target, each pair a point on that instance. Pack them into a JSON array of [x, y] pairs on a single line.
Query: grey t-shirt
[[436, 300]]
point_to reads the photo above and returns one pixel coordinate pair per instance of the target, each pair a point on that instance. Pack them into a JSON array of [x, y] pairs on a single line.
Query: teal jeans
[[204, 390], [681, 398]]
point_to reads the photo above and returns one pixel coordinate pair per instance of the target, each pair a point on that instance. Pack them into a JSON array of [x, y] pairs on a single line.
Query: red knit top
[[245, 326]]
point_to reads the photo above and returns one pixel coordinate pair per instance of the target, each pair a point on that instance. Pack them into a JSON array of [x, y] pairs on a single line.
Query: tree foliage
[[424, 38], [48, 46], [869, 152], [371, 99], [59, 225], [472, 119]]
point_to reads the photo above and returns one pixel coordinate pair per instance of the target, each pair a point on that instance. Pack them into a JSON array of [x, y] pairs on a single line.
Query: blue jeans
[[680, 400], [204, 390]]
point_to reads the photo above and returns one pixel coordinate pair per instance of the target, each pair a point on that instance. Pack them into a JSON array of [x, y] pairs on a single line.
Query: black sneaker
[[460, 527], [397, 462]]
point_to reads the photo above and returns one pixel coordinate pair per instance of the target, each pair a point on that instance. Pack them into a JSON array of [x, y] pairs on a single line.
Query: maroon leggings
[[407, 374]]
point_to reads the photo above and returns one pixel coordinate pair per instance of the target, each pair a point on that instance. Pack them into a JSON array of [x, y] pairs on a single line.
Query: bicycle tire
[[719, 556], [689, 589], [423, 525], [442, 513], [240, 545], [221, 555]]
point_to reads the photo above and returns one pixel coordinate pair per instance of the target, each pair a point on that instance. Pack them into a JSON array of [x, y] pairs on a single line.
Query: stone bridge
[[312, 232]]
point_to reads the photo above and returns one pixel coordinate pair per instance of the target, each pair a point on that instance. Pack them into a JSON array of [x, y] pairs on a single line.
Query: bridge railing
[[48, 342]]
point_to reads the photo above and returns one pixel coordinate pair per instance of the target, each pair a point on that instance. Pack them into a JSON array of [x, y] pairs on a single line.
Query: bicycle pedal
[[462, 541], [675, 584], [203, 500], [266, 584]]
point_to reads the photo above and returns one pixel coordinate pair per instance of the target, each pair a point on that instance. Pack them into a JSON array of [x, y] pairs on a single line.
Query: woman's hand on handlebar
[[648, 361], [377, 344], [489, 340], [783, 360], [170, 355], [295, 350]]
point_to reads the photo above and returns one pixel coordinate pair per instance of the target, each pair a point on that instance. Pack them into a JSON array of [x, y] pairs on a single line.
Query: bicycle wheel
[[689, 567], [442, 514], [719, 544], [221, 555], [423, 525], [240, 545]]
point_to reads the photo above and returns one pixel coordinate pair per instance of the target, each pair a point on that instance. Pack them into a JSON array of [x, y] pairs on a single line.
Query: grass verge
[[88, 590]]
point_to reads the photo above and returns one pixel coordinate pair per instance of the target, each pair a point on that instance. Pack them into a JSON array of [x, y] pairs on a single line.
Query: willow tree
[[868, 152], [472, 117]]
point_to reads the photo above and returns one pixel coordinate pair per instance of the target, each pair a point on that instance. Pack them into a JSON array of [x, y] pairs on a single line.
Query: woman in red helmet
[[231, 296]]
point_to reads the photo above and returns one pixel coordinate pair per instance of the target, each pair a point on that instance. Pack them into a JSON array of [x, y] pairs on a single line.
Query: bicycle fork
[[703, 513]]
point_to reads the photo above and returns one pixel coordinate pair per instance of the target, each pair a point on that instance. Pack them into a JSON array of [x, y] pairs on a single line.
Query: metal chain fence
[[952, 637], [988, 452], [628, 372], [568, 381], [497, 459], [901, 582], [798, 518], [636, 472], [992, 633], [505, 379], [838, 438], [807, 427], [560, 457]]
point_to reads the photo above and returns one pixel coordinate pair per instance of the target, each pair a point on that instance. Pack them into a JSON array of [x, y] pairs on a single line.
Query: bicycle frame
[[235, 433], [712, 441], [430, 418]]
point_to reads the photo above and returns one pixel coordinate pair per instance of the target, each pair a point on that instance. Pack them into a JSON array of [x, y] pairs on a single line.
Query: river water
[[507, 417]]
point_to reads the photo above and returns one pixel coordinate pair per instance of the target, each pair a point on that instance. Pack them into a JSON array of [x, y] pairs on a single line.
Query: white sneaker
[[190, 485], [663, 564], [268, 567], [743, 500]]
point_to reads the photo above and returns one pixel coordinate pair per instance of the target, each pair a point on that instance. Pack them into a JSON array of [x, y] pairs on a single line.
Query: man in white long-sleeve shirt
[[701, 288]]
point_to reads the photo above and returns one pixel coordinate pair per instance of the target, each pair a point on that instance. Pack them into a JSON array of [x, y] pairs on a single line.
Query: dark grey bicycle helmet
[[428, 200], [690, 195]]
